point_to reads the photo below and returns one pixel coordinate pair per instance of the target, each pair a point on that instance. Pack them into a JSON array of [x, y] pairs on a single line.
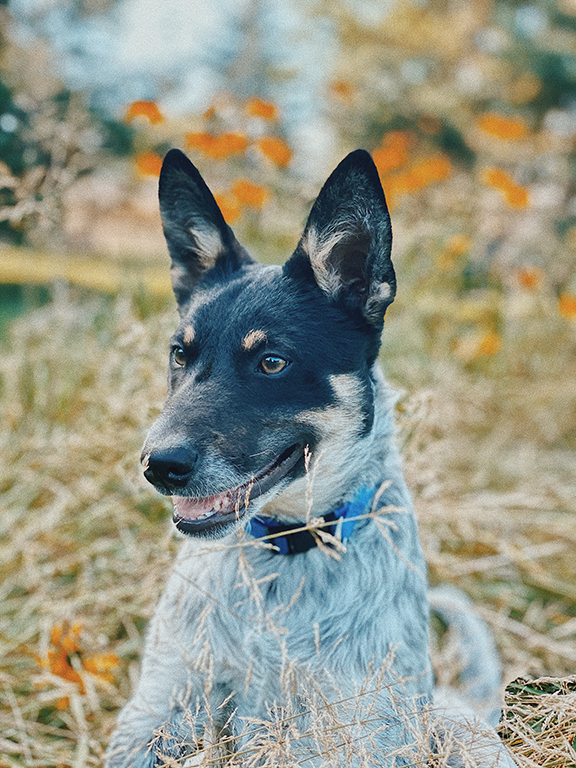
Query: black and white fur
[[276, 406]]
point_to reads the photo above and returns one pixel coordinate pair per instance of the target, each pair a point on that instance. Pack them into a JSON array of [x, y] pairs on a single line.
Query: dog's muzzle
[[171, 469]]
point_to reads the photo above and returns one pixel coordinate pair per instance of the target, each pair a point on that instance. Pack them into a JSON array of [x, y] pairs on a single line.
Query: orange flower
[[65, 641], [497, 178], [225, 145], [100, 665], [257, 107], [58, 662], [567, 305], [148, 109], [148, 163], [250, 194], [70, 641], [503, 127], [394, 186], [230, 206], [530, 277], [237, 142], [276, 150], [233, 143], [400, 139], [217, 147], [56, 634], [433, 169], [517, 196], [393, 152], [419, 176], [198, 140], [65, 645], [405, 182]]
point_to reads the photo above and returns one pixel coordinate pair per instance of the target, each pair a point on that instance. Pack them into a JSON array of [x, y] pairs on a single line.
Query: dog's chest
[[244, 616]]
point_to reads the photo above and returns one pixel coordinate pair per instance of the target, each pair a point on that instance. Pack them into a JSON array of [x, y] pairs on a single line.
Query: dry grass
[[85, 547], [82, 540], [539, 721]]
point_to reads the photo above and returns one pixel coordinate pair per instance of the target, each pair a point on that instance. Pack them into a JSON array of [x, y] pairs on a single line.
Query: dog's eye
[[179, 356], [272, 364]]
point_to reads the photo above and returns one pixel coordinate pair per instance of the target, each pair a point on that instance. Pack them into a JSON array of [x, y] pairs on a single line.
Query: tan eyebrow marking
[[188, 337], [252, 338]]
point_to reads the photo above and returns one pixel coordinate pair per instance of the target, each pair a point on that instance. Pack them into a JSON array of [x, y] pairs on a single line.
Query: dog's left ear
[[198, 238], [348, 239]]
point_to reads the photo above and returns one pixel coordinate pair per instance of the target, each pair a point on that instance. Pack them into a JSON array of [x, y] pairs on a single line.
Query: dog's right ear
[[198, 237]]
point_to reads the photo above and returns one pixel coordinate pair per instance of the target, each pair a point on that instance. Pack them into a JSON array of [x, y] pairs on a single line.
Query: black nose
[[170, 468]]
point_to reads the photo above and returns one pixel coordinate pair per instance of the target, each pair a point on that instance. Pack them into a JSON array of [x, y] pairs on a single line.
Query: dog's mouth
[[193, 515]]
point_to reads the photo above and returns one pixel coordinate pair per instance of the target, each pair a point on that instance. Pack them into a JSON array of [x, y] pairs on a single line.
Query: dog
[[301, 576]]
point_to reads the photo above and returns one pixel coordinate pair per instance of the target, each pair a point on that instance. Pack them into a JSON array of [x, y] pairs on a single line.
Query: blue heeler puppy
[[300, 590]]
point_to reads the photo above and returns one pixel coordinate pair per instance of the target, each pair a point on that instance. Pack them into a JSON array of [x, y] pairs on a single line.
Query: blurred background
[[469, 110]]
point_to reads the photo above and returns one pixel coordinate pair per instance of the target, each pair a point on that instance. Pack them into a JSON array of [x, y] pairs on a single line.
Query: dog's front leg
[[163, 721], [153, 721], [167, 713], [141, 739]]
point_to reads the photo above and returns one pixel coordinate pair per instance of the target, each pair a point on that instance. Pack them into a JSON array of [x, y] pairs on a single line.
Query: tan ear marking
[[253, 338], [208, 245], [319, 251], [188, 336]]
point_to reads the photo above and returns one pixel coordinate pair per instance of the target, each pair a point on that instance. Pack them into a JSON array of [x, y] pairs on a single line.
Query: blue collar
[[343, 521]]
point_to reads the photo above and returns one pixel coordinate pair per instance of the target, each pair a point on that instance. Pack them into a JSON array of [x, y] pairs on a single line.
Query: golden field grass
[[85, 546]]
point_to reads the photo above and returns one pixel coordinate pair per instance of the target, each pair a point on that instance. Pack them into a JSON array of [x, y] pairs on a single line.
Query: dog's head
[[269, 365]]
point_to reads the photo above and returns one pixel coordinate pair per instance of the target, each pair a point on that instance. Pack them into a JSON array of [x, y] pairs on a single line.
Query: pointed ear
[[348, 239], [198, 237]]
